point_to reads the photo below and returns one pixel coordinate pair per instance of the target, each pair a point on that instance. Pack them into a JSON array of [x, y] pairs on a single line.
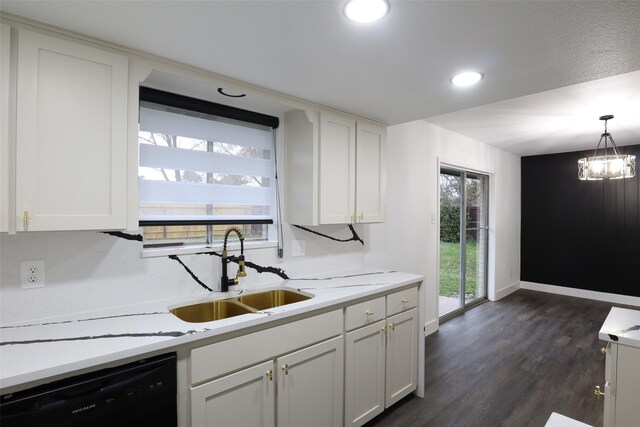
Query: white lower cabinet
[[289, 375], [339, 368], [305, 386], [310, 386], [402, 353], [622, 386], [364, 373], [245, 398], [381, 363]]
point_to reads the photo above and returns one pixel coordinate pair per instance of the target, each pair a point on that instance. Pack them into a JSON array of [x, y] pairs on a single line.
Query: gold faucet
[[225, 282]]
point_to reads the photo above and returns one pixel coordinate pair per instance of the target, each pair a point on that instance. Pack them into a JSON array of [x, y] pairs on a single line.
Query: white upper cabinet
[[335, 168], [5, 47], [71, 140], [371, 170]]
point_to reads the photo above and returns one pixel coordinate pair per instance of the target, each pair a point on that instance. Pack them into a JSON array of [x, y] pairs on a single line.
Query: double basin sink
[[222, 309]]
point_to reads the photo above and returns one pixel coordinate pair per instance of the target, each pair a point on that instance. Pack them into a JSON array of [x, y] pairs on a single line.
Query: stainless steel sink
[[270, 299], [209, 311]]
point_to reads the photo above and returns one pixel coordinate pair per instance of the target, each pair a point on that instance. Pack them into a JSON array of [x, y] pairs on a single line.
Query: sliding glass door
[[464, 220]]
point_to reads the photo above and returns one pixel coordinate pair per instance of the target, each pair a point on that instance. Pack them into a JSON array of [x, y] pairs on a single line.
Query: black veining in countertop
[[86, 320], [630, 329], [173, 334], [343, 277]]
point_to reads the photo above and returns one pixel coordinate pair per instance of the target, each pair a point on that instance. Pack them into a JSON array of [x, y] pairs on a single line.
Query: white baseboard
[[501, 293], [581, 293], [431, 326]]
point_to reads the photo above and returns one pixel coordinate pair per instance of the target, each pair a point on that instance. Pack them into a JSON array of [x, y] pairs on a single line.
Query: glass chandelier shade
[[603, 165]]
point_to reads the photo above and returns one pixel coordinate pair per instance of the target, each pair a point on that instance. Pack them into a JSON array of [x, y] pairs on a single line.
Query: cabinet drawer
[[363, 314], [401, 301]]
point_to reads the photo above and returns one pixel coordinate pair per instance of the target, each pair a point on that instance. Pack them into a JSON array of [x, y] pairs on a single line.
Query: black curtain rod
[[161, 222]]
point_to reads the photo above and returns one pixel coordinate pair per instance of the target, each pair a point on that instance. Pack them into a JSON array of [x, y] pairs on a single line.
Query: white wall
[[409, 240], [87, 271]]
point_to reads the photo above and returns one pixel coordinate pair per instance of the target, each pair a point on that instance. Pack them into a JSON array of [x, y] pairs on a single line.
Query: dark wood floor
[[511, 363]]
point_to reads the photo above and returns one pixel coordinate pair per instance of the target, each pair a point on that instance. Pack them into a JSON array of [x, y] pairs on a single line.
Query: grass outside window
[[450, 269]]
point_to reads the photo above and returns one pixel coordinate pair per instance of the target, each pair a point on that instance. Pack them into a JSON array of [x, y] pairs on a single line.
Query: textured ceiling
[[558, 120], [393, 71]]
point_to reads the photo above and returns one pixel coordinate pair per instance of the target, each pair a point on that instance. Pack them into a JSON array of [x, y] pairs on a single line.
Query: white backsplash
[[88, 271]]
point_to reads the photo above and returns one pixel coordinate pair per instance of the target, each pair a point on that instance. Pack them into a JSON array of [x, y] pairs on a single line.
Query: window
[[203, 167]]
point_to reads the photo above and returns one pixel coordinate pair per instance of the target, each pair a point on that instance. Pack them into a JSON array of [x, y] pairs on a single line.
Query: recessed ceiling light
[[468, 78], [365, 11]]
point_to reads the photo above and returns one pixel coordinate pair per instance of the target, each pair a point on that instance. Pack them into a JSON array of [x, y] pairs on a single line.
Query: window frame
[[156, 96]]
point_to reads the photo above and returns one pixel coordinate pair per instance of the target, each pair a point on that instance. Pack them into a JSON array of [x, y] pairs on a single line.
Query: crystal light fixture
[[607, 166]]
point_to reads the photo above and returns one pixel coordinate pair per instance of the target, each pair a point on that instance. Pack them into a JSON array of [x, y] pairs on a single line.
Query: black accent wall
[[579, 234]]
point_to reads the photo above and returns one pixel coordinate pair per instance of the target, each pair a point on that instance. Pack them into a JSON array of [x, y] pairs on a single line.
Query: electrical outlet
[[297, 247], [32, 274]]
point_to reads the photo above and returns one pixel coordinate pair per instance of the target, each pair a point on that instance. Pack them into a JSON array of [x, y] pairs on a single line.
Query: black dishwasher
[[142, 393]]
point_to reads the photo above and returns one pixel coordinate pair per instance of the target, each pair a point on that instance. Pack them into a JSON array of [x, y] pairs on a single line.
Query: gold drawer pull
[[603, 350], [405, 301], [393, 326], [270, 375], [369, 313], [285, 368], [598, 393]]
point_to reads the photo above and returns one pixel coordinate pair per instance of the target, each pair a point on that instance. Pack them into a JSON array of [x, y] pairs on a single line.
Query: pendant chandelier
[[607, 166]]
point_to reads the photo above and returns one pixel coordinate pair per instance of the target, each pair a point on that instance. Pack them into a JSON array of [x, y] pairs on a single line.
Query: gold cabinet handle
[[270, 375], [361, 216], [393, 326], [285, 368], [25, 219], [405, 301], [369, 313], [598, 393], [603, 350]]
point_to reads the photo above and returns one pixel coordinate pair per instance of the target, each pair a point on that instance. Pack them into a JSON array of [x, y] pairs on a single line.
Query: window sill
[[195, 249]]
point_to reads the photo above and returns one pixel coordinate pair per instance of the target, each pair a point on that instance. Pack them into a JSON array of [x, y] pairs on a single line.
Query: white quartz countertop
[[32, 352], [622, 325]]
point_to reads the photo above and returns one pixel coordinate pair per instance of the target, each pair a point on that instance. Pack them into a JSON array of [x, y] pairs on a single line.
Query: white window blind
[[200, 168]]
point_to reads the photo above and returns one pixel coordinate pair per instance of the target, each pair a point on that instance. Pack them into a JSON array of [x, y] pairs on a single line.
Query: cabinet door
[[370, 172], [337, 148], [310, 386], [364, 374], [627, 391], [402, 353], [246, 398], [71, 159], [610, 385], [5, 48]]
